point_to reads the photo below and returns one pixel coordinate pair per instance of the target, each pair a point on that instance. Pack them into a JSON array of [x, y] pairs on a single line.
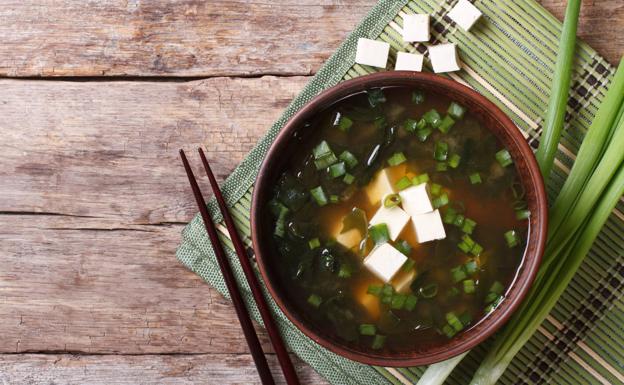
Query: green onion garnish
[[418, 179], [315, 300], [441, 166], [396, 159], [314, 243], [440, 201], [452, 292], [418, 97], [334, 198], [379, 233], [454, 161], [408, 265], [491, 297], [428, 291], [475, 178], [378, 342], [504, 157], [458, 274], [522, 214], [449, 216], [410, 302], [325, 161], [456, 111], [454, 322], [471, 267], [398, 301], [459, 220], [336, 170], [387, 290], [403, 247], [321, 150], [319, 195], [433, 118], [476, 250], [368, 329], [348, 178], [342, 122], [435, 189], [465, 318], [512, 239], [410, 125], [440, 152], [403, 183], [469, 286], [468, 226], [374, 290], [448, 331], [349, 159], [391, 200], [423, 134], [446, 124], [345, 271], [497, 288]]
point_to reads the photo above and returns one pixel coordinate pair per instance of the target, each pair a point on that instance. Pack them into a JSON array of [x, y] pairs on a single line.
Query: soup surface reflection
[[403, 223]]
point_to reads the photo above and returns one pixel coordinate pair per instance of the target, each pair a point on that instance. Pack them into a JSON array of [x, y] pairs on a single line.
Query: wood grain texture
[[63, 369], [209, 38], [172, 37]]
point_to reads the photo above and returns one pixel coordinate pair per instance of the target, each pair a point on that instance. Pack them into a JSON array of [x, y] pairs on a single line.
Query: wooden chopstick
[[241, 311], [274, 335]]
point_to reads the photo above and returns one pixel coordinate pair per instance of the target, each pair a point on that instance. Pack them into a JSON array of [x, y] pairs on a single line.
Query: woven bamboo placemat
[[509, 57]]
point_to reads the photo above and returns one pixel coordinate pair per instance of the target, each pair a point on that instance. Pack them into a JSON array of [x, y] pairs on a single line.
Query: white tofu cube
[[350, 238], [403, 281], [409, 62], [379, 187], [394, 218], [465, 14], [384, 261], [415, 200], [444, 58], [416, 27], [372, 52], [428, 226]]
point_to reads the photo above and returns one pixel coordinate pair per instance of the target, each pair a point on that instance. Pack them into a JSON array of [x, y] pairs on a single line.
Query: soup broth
[[402, 225]]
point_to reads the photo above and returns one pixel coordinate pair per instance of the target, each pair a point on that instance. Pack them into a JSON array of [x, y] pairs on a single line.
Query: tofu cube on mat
[[444, 57], [372, 52], [380, 186], [415, 200], [394, 218], [408, 62], [428, 226], [416, 27], [465, 14], [384, 261], [349, 239]]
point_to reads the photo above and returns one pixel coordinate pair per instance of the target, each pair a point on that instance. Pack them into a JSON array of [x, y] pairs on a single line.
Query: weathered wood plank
[[207, 38], [36, 369], [172, 37]]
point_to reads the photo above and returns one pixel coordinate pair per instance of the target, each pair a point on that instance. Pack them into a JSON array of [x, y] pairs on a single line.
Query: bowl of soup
[[399, 218]]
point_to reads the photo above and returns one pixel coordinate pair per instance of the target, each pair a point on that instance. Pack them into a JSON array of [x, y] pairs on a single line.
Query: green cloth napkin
[[508, 56]]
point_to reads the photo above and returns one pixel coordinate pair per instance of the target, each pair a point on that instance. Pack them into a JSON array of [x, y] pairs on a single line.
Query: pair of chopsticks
[[241, 311]]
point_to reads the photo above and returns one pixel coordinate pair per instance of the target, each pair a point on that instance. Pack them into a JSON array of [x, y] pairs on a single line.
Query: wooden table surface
[[95, 100]]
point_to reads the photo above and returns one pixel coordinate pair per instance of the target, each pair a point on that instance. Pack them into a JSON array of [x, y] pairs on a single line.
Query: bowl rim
[[526, 271]]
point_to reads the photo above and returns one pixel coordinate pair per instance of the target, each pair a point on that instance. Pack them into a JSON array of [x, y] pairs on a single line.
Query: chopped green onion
[[403, 183], [440, 201], [454, 322], [408, 265], [475, 178], [522, 214], [433, 118], [319, 195], [345, 271], [315, 300], [468, 226], [441, 166], [350, 159], [374, 290], [453, 291], [423, 134], [428, 291], [448, 331], [504, 157], [348, 178], [376, 97], [440, 152], [314, 243], [391, 200], [379, 233], [418, 97], [456, 111], [410, 125], [410, 302], [493, 305], [465, 318], [387, 290], [422, 178], [459, 220], [469, 286], [386, 299], [378, 342], [336, 170], [398, 301], [512, 239], [325, 161], [396, 159], [446, 124], [491, 297], [368, 329], [497, 287], [321, 150], [422, 124], [450, 216], [435, 189], [458, 274], [476, 250], [471, 267], [342, 122], [334, 198], [403, 247], [454, 161]]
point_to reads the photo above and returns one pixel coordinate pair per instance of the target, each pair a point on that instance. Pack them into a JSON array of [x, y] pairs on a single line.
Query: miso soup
[[402, 224]]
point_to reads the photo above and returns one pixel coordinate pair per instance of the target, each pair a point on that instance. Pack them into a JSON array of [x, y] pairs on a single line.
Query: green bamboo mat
[[509, 57]]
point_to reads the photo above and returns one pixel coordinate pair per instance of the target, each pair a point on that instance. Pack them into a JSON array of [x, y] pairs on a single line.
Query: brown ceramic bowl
[[489, 115]]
